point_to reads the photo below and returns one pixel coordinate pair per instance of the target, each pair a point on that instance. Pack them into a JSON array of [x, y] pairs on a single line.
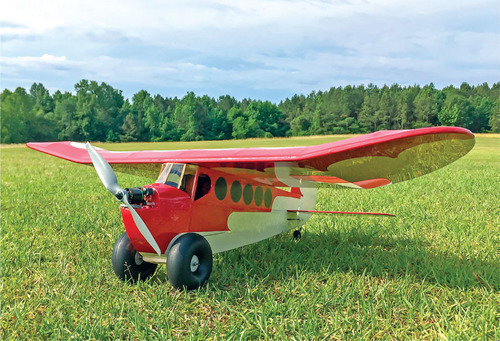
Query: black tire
[[127, 262], [296, 235], [182, 274]]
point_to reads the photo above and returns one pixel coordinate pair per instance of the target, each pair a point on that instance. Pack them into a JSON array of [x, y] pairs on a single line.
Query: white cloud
[[294, 46], [29, 62]]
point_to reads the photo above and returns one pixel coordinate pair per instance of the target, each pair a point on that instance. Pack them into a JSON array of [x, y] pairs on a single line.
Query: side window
[[187, 182], [203, 186]]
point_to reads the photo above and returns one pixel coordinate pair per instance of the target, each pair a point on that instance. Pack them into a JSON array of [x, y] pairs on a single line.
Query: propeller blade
[[109, 180], [105, 172], [141, 226]]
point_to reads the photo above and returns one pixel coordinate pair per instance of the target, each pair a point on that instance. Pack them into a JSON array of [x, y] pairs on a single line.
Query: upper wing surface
[[366, 161]]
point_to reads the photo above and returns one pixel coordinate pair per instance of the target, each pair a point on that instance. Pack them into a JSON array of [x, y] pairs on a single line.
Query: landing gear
[[189, 262], [128, 263], [296, 235]]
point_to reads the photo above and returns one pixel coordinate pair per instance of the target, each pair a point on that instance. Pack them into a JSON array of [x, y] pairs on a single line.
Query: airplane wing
[[365, 161]]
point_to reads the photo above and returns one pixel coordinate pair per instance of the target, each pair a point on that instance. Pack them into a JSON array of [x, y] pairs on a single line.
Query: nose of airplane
[[140, 195]]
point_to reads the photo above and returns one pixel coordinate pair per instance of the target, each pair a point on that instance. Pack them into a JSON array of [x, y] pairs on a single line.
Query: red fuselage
[[172, 211]]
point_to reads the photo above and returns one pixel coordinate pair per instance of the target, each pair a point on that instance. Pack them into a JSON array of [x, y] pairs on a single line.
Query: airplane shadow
[[279, 258]]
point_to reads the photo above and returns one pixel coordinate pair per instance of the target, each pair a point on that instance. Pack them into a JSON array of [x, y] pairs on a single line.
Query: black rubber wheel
[[296, 235], [128, 263], [189, 262]]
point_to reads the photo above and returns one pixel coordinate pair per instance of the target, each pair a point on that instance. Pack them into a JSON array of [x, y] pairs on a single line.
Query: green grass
[[433, 272]]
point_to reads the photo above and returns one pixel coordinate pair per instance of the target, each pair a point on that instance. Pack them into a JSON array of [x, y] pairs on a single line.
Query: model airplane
[[209, 201]]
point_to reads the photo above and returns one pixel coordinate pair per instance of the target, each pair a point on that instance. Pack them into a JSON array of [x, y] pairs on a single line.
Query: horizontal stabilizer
[[341, 212]]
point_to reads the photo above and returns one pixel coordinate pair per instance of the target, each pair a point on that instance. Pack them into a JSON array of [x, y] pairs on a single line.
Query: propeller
[[109, 180]]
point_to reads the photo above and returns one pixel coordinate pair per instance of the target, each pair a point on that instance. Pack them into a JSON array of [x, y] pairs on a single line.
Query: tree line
[[98, 112]]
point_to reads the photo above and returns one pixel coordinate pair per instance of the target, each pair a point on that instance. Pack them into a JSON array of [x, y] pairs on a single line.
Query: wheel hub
[[195, 263], [138, 258]]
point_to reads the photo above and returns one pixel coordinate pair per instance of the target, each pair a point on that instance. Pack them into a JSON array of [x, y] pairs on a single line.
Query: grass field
[[433, 272]]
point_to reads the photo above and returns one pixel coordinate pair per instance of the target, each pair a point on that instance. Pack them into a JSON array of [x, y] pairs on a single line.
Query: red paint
[[169, 216], [372, 183]]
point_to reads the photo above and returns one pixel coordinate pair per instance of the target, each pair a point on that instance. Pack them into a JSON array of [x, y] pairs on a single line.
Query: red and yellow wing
[[365, 161]]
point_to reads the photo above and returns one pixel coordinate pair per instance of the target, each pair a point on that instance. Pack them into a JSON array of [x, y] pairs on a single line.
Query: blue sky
[[257, 49]]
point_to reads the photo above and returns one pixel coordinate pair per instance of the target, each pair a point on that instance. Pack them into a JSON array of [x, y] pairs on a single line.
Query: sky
[[259, 49]]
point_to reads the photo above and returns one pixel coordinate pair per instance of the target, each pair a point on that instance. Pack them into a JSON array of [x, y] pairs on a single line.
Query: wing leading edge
[[365, 161]]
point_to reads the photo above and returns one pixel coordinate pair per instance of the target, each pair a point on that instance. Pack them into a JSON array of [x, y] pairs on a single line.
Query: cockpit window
[[171, 174], [187, 182], [174, 176], [165, 168], [178, 175]]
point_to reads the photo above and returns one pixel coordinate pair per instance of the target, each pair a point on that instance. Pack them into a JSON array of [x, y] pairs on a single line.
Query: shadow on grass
[[280, 258]]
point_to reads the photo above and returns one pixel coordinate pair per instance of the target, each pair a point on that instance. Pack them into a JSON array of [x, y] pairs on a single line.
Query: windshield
[[171, 174]]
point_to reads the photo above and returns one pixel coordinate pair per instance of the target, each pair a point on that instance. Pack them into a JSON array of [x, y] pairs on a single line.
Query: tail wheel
[[189, 262], [128, 263], [296, 235]]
